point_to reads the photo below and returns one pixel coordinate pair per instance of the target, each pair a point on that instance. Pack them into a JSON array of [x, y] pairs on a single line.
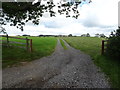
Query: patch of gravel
[[63, 69]]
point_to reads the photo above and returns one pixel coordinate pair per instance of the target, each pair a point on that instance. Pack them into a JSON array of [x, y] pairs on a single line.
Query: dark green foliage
[[87, 35], [70, 35], [102, 35], [113, 45], [18, 13]]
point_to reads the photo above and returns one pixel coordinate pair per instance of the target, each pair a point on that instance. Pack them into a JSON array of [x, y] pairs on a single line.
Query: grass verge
[[42, 46], [63, 44], [92, 46]]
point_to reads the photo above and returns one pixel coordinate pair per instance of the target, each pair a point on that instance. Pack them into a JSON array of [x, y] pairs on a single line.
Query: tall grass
[[92, 46]]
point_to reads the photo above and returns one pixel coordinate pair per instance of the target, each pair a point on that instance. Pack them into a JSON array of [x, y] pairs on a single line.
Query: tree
[[113, 45], [97, 35], [18, 13], [70, 35], [25, 35], [102, 35], [83, 35], [87, 35]]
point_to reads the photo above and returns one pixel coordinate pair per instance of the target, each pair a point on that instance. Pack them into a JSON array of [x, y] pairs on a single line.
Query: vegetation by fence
[[103, 46], [27, 44]]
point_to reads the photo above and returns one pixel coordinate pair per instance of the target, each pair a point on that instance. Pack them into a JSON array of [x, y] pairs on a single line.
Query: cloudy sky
[[100, 16]]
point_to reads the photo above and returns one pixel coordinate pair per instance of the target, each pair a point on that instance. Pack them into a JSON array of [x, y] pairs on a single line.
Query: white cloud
[[105, 12], [100, 16]]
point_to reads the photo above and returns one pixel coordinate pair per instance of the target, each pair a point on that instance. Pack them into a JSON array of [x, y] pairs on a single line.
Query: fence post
[[27, 44], [7, 39], [30, 45], [102, 52]]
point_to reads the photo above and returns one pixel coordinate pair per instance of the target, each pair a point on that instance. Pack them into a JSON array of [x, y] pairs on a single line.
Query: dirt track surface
[[63, 69]]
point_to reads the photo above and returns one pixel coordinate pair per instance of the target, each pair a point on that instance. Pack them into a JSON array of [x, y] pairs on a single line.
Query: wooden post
[[7, 40], [27, 44], [30, 45], [102, 52]]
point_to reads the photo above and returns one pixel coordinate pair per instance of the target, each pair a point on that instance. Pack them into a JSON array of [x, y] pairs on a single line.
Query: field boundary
[[28, 43]]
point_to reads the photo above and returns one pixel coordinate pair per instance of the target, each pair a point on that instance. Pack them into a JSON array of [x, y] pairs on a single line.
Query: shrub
[[113, 45]]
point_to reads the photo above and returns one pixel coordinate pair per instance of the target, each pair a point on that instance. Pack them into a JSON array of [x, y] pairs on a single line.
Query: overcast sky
[[100, 16]]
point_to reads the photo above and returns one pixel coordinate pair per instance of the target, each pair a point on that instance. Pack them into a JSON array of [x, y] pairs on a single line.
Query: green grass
[[63, 44], [92, 46], [42, 46]]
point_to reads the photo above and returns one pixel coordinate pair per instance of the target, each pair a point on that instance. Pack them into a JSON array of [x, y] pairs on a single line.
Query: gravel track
[[63, 69]]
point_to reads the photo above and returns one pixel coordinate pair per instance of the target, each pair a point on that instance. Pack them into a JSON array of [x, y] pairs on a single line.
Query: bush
[[113, 45]]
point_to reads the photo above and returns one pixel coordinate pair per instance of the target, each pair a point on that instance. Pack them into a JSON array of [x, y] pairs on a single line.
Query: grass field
[[92, 46], [42, 46]]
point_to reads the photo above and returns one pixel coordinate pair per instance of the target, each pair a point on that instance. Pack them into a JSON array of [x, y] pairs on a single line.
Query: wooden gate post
[[30, 45], [7, 39], [27, 44], [102, 52]]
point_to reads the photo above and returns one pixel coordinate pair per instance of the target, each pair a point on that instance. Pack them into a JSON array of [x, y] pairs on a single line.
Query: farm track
[[63, 69]]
